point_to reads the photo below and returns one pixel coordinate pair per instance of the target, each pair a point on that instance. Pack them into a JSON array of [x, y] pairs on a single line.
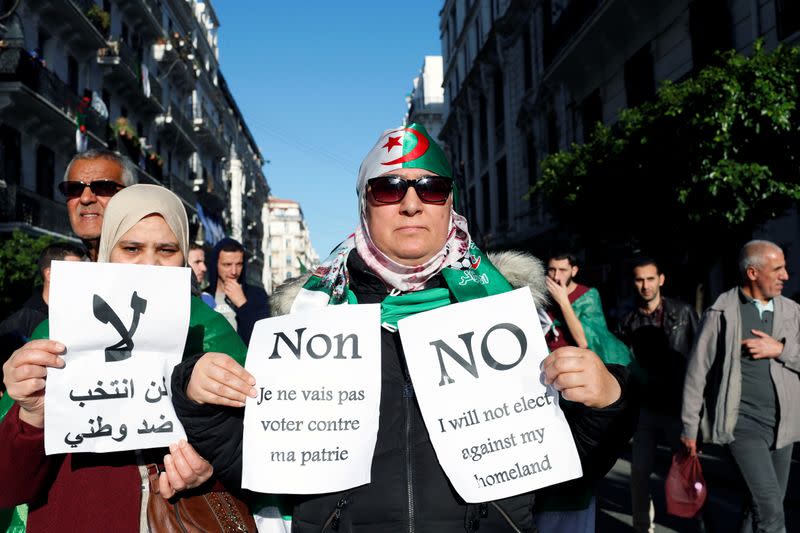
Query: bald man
[[746, 365]]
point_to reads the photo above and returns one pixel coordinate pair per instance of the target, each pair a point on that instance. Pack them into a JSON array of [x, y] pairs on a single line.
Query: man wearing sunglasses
[[91, 179]]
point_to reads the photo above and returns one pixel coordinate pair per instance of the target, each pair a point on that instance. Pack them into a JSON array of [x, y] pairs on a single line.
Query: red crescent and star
[[392, 142], [418, 151]]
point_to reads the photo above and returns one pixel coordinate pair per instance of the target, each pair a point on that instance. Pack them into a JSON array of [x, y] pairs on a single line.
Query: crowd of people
[[654, 379]]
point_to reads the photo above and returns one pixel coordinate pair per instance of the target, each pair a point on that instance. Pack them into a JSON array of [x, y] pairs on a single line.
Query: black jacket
[[16, 329], [409, 491], [662, 353], [257, 305]]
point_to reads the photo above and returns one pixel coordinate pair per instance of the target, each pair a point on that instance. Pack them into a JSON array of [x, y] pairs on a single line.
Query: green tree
[[19, 253], [695, 170]]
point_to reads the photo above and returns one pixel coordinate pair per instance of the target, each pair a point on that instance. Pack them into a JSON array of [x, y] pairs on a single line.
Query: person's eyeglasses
[[392, 189], [74, 189]]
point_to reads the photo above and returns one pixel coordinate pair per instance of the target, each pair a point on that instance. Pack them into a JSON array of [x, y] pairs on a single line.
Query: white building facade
[[290, 251], [426, 101]]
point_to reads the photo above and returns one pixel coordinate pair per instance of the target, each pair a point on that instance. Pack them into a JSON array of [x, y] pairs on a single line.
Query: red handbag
[[685, 487]]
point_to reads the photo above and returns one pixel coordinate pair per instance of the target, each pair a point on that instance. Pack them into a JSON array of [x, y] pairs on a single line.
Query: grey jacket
[[714, 372]]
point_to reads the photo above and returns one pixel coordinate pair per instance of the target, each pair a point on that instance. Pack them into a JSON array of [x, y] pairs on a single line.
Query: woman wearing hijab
[[411, 253], [146, 225]]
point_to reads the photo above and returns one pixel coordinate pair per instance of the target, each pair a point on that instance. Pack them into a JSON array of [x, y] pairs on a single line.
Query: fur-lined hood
[[521, 269]]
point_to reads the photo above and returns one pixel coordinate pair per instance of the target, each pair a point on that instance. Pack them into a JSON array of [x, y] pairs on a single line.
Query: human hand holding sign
[[24, 375], [183, 469], [218, 379], [581, 376], [763, 346]]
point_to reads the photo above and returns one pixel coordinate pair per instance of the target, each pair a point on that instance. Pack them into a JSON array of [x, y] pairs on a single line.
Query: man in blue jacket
[[241, 304]]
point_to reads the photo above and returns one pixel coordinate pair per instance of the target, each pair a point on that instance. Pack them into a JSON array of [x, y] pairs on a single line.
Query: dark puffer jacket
[[409, 490]]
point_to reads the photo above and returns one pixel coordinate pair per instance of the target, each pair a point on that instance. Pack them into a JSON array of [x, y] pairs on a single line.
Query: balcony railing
[[560, 33], [180, 119], [39, 211], [17, 65], [156, 92], [93, 13]]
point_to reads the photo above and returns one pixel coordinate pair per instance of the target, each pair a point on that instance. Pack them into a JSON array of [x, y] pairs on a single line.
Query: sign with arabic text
[[124, 327]]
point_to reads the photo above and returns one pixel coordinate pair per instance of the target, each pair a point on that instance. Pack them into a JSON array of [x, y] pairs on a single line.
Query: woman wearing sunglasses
[[145, 225], [409, 253]]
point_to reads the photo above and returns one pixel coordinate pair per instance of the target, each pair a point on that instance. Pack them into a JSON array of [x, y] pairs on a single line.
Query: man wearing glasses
[[91, 179]]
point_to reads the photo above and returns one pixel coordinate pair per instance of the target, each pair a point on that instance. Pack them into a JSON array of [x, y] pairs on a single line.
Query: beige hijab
[[132, 204]]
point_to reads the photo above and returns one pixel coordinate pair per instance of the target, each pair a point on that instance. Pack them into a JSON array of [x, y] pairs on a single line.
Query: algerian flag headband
[[406, 147]]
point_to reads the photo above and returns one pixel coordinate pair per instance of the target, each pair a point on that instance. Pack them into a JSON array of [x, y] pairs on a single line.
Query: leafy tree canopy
[[19, 254], [708, 160]]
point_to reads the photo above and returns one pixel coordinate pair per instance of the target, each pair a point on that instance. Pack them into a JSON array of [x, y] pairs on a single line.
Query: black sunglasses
[[74, 189], [392, 189]]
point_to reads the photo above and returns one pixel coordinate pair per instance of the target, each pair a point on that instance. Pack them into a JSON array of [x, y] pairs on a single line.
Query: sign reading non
[[124, 327], [314, 424], [497, 430]]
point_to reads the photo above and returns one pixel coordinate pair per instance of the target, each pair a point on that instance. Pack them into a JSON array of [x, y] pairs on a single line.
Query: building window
[[45, 171], [470, 148], [502, 193], [471, 214], [527, 57], [591, 113], [553, 143], [486, 219], [499, 108], [710, 29], [530, 162], [484, 133], [73, 74], [787, 13], [10, 155], [639, 82]]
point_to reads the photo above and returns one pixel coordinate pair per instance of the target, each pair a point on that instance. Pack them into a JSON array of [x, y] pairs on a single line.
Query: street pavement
[[723, 508]]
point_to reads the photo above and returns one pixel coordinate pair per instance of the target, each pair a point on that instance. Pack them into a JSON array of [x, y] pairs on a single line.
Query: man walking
[[660, 333], [746, 365]]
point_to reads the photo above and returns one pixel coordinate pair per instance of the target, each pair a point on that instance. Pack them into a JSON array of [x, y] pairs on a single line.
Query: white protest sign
[[314, 424], [124, 327], [497, 430]]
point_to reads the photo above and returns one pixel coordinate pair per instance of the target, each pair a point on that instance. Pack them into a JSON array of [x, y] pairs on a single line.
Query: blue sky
[[317, 82]]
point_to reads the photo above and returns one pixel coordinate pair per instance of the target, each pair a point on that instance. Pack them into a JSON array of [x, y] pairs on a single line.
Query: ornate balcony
[[145, 14], [175, 126], [36, 100], [82, 24], [22, 205], [177, 58], [209, 134]]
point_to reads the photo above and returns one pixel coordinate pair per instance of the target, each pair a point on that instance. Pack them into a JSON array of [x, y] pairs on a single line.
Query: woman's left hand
[[581, 376], [183, 469]]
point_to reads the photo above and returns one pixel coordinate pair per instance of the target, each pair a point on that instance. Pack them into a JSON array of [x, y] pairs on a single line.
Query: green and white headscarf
[[467, 272]]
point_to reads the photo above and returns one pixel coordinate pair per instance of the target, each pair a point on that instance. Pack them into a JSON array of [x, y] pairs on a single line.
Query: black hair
[[232, 246], [569, 256], [58, 251], [643, 261]]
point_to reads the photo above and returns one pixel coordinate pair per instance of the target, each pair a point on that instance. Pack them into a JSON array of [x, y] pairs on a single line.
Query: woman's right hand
[[24, 375], [218, 379]]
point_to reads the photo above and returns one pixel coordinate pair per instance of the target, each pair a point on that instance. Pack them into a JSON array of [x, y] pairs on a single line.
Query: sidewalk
[[723, 508]]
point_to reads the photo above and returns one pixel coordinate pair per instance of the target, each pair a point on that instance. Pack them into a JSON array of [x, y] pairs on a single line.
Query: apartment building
[[527, 78], [290, 251], [426, 100], [139, 76]]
